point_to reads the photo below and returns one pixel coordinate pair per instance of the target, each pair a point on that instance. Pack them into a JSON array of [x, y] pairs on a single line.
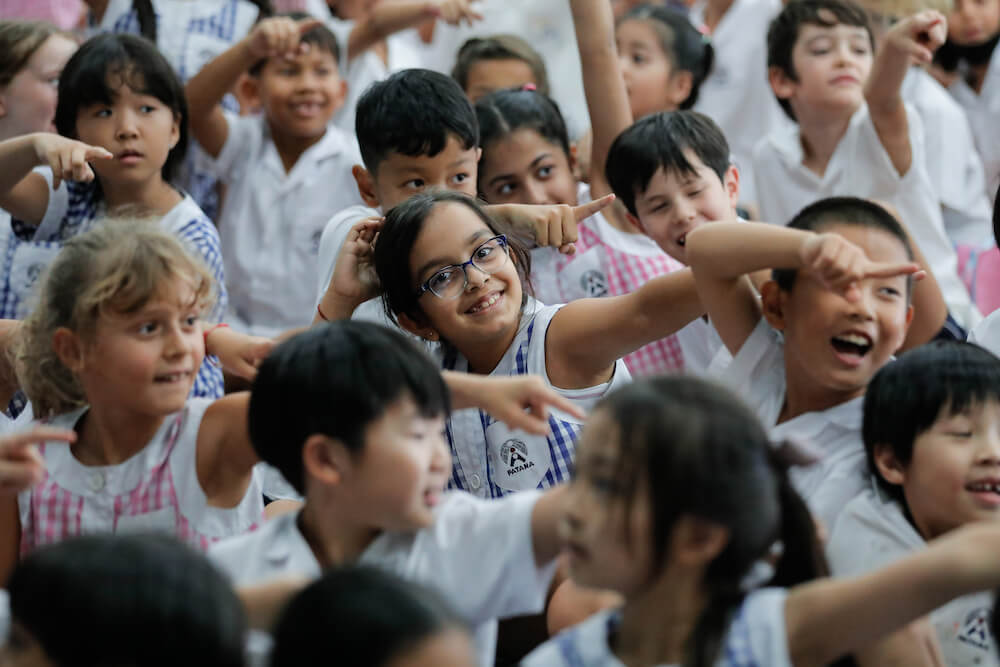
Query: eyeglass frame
[[426, 286]]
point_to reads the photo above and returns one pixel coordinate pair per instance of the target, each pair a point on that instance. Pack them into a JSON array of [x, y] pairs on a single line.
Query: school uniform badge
[[518, 460]]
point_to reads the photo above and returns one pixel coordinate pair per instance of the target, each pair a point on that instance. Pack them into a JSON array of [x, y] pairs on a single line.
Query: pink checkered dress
[[609, 262], [156, 490]]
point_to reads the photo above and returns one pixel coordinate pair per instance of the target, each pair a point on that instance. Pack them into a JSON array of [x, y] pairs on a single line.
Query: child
[[119, 98], [676, 501], [110, 352], [854, 135], [527, 159], [375, 619], [352, 414], [841, 298], [285, 170], [733, 94], [932, 440], [965, 65], [449, 275], [486, 64], [162, 603]]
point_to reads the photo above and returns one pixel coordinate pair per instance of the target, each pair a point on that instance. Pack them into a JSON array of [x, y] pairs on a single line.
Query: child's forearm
[[883, 91], [728, 250], [387, 18], [603, 84]]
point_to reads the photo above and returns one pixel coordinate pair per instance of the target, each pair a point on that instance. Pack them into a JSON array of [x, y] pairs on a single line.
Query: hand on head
[[280, 36], [838, 263]]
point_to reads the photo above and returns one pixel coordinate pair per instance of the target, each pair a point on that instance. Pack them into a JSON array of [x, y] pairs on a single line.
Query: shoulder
[[987, 333], [869, 532], [756, 634], [258, 555], [583, 644]]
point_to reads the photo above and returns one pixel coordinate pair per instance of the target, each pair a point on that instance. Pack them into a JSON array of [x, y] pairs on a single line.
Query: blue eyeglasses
[[451, 281]]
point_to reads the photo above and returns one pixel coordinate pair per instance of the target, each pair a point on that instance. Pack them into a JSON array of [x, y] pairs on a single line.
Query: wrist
[[213, 332]]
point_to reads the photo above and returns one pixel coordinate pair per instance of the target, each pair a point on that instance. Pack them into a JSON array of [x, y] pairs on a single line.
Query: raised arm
[[270, 38], [607, 100], [521, 401], [913, 39], [225, 457], [387, 18], [829, 618]]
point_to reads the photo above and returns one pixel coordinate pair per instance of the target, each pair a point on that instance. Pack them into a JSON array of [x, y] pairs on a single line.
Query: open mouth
[[310, 108], [682, 239], [852, 347], [171, 378], [986, 491], [486, 303]]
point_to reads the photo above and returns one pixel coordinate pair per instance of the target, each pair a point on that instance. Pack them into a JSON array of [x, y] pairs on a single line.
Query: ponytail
[[713, 624], [801, 555]]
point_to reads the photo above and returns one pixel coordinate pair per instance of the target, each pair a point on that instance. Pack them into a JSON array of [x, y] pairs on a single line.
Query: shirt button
[[96, 481], [475, 482]]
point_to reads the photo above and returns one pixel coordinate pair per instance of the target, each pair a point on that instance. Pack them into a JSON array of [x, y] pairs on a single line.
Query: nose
[[861, 300], [534, 193], [440, 456], [989, 448], [684, 210], [474, 277], [126, 127], [625, 63], [177, 342]]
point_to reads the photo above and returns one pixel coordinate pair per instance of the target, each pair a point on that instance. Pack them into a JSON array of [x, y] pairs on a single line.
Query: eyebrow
[[444, 262], [534, 162]]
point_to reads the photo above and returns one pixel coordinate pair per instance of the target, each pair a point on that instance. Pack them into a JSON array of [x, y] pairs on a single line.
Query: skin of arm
[[545, 519], [916, 645], [225, 458]]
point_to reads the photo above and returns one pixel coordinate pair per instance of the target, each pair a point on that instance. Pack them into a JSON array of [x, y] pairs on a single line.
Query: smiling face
[[299, 95], [832, 64], [836, 341], [28, 103], [138, 129], [953, 476], [523, 167], [674, 203], [487, 312], [973, 22], [651, 82], [144, 361], [606, 528]]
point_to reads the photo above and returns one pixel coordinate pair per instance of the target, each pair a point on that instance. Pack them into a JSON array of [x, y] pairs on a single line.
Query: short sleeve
[[333, 237], [869, 534], [242, 143], [757, 372], [201, 237], [757, 634]]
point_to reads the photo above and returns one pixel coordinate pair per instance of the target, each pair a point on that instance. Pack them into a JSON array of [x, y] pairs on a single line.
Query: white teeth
[[854, 339], [985, 487], [486, 304]]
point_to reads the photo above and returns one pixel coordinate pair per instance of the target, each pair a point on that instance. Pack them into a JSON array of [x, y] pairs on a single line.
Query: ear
[[697, 542], [782, 85], [679, 87], [773, 302], [424, 331], [906, 327], [635, 222], [731, 182], [366, 185], [325, 460], [69, 348], [175, 132], [340, 96], [3, 105], [248, 91], [889, 467]]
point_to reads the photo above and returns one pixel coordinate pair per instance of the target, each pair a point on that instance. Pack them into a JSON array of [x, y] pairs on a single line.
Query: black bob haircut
[[413, 112], [784, 31], [907, 396], [371, 616], [318, 36], [659, 141], [336, 379], [849, 211], [105, 63], [148, 600]]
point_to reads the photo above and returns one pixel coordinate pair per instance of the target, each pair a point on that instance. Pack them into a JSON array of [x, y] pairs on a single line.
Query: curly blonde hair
[[116, 267]]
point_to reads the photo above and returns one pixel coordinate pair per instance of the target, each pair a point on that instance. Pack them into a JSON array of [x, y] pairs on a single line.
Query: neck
[[714, 11], [109, 436], [802, 395], [291, 148], [333, 537], [820, 134], [484, 356], [154, 197], [657, 623]]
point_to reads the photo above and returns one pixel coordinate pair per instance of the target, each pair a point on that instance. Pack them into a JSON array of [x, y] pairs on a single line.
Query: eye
[[147, 108], [605, 485], [460, 178], [506, 189], [959, 434], [441, 278], [103, 113], [484, 251], [414, 184], [323, 71], [891, 292], [147, 328], [546, 171], [660, 208], [191, 321], [694, 193], [638, 58]]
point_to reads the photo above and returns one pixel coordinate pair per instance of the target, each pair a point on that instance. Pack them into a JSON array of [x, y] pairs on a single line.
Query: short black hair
[[684, 45], [413, 112], [335, 379], [783, 33], [907, 396], [499, 47], [318, 36], [128, 600], [659, 141], [370, 615], [104, 63], [850, 211]]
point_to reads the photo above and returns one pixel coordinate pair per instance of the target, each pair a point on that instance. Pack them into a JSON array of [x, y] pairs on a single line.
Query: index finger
[[558, 401], [39, 434], [307, 24], [892, 270], [95, 152], [584, 211]]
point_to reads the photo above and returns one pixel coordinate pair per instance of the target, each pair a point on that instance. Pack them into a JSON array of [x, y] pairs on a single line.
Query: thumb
[[584, 211], [307, 24]]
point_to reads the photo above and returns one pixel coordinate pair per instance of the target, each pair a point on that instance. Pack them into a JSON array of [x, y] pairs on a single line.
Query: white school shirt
[[756, 638], [479, 555], [272, 221], [757, 375], [155, 490], [953, 164], [860, 167], [488, 458], [873, 532], [702, 348], [982, 110], [736, 93], [987, 333]]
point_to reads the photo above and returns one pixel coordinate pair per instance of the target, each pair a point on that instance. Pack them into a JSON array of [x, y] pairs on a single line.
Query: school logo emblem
[[594, 283], [975, 629], [514, 454]]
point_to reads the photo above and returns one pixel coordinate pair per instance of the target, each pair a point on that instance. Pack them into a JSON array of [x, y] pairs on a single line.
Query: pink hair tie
[[529, 86]]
